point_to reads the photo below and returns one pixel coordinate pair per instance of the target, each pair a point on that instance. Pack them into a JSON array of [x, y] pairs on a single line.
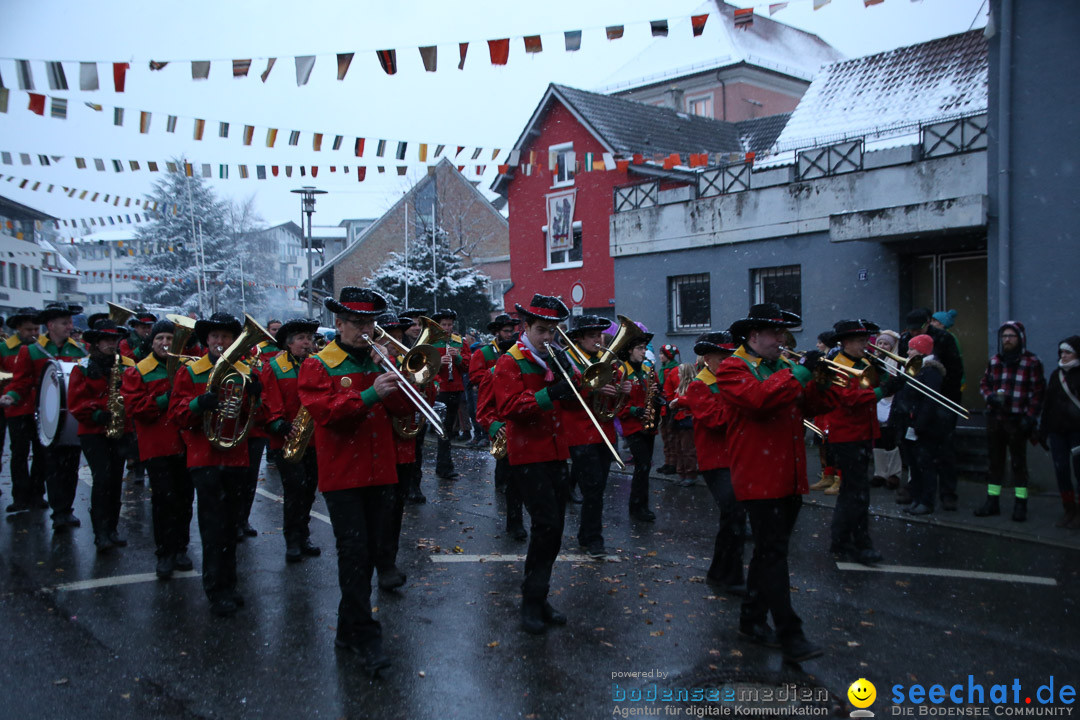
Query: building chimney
[[677, 99]]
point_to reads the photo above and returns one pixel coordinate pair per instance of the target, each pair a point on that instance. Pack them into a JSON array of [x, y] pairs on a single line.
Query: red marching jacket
[[189, 384], [146, 401], [579, 429], [671, 391], [765, 408], [27, 366], [353, 436], [630, 415], [87, 395], [534, 428], [486, 412], [9, 350], [280, 378], [460, 365], [702, 400], [855, 416]]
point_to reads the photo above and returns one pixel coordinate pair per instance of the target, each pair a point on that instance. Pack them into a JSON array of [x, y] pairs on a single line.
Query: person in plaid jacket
[[1013, 387]]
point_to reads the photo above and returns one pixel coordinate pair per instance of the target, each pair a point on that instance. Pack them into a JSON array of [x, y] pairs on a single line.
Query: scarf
[[1075, 362], [533, 355]]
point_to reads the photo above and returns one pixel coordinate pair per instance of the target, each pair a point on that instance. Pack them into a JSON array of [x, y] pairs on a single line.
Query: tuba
[[184, 327], [224, 427], [114, 430], [419, 365], [607, 408]]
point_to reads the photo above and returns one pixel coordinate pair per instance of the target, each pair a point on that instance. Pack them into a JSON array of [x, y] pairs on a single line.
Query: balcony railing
[[635, 197], [954, 136], [830, 160], [724, 179]]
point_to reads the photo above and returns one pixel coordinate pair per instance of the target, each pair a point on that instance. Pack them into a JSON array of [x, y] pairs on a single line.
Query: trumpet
[[910, 368], [584, 405], [866, 378], [414, 395]]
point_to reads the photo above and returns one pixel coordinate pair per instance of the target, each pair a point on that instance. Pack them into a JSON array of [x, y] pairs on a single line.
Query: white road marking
[[278, 498], [120, 580], [946, 572], [462, 558]]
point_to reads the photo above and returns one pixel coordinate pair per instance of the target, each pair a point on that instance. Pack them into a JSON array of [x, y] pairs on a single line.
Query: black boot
[[166, 563], [553, 616], [292, 552], [992, 506], [1020, 510], [532, 617]]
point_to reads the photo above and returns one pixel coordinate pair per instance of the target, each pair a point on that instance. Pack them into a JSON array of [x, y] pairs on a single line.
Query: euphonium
[[420, 365], [299, 436], [606, 408], [223, 427], [114, 430]]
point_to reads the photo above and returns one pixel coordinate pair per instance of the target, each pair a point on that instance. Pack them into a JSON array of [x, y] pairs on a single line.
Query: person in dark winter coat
[[928, 423], [1013, 387], [1059, 426]]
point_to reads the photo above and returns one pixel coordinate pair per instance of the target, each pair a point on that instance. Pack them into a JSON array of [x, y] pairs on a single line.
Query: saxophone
[[498, 444], [115, 404], [651, 419], [299, 436]]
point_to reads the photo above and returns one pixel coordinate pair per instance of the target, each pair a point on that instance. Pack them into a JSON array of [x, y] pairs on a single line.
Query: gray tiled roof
[[759, 134]]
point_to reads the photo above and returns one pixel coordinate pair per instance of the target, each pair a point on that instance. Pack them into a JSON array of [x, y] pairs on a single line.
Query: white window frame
[[575, 228], [696, 98], [556, 182]]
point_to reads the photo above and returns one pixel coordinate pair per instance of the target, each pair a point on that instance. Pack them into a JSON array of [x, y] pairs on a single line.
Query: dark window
[[571, 255], [689, 303], [780, 285]]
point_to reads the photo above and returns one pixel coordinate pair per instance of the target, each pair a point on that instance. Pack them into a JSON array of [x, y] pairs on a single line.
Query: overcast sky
[[480, 106]]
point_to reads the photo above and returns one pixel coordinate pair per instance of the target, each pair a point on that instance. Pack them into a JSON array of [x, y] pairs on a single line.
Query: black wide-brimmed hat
[[544, 307], [58, 310], [94, 319], [293, 326], [851, 328], [217, 321], [22, 315], [413, 313], [357, 301], [713, 342], [764, 315], [142, 317], [104, 330], [501, 321], [585, 323], [164, 325], [446, 314], [390, 321]]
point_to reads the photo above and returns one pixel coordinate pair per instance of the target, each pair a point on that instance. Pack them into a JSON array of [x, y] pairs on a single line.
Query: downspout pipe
[[1004, 238]]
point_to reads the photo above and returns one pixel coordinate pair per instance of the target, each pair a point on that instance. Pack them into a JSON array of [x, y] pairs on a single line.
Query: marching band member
[[60, 463], [645, 402], [590, 458], [702, 399], [482, 361], [528, 396], [27, 479], [451, 388], [267, 349], [669, 365], [88, 398], [218, 475], [349, 397], [146, 390], [137, 345], [390, 577], [767, 398], [413, 495], [492, 423], [853, 427], [299, 479]]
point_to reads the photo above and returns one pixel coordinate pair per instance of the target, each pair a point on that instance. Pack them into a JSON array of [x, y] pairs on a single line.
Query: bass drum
[[55, 425]]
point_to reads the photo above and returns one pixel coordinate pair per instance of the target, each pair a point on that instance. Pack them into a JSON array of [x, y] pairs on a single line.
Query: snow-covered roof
[[330, 231], [124, 234], [766, 43], [891, 92], [66, 265]]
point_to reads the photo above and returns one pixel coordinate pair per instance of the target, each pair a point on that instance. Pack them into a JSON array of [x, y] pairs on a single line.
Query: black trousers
[[256, 445], [1005, 433], [60, 466], [418, 466], [356, 515], [641, 451], [946, 465], [589, 472], [727, 562], [106, 461], [851, 518], [220, 491], [27, 479], [506, 475], [171, 497], [545, 489], [768, 583], [444, 464], [393, 511], [926, 470], [299, 480]]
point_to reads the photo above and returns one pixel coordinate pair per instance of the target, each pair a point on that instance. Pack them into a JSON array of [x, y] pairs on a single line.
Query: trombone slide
[[414, 395], [585, 406]]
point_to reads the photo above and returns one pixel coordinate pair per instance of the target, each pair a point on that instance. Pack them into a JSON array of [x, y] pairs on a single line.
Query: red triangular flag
[[361, 173], [119, 72], [274, 170], [500, 51]]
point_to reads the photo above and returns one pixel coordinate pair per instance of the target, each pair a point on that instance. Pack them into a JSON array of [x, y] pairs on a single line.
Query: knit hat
[[917, 318], [1071, 344], [946, 318], [922, 344], [162, 326], [670, 350]]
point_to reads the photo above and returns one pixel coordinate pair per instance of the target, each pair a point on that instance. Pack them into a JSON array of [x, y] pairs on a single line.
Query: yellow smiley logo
[[862, 693]]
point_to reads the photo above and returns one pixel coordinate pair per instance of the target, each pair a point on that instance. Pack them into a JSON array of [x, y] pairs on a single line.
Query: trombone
[[814, 429], [865, 380], [414, 395], [584, 405], [909, 367]]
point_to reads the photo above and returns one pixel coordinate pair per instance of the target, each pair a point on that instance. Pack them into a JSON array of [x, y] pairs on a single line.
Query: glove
[[995, 401], [101, 417], [208, 402], [811, 359], [637, 412], [279, 427], [564, 362], [255, 387], [560, 390]]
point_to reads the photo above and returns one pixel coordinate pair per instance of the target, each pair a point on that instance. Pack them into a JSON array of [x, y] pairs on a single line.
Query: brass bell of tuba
[[224, 427], [420, 365], [607, 408]]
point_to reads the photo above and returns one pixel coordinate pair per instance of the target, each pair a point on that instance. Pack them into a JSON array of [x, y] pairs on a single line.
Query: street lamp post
[[307, 206]]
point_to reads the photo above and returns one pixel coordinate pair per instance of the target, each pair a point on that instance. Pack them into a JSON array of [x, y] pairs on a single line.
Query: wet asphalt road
[[152, 649]]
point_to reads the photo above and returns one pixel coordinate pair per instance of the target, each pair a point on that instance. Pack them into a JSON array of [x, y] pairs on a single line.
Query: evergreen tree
[[195, 236], [463, 289]]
